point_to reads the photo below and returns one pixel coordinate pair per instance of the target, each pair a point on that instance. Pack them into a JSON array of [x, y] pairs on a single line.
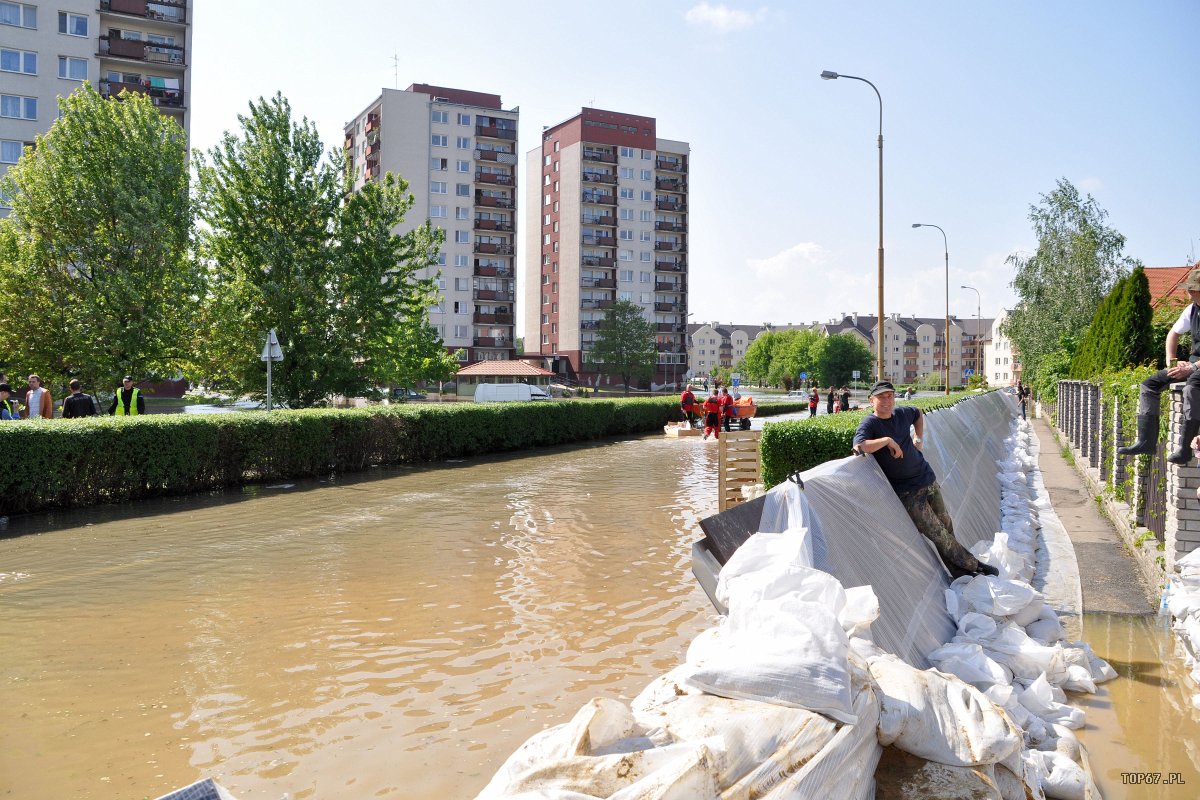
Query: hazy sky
[[985, 107]]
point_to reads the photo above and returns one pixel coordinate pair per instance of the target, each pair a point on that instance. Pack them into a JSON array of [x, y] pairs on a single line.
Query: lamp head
[[828, 75], [916, 224]]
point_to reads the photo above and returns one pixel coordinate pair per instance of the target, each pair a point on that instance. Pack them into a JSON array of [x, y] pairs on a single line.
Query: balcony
[[589, 325], [493, 202], [668, 327], [670, 184], [494, 132], [492, 341], [595, 154], [668, 287], [668, 307], [494, 249], [666, 204], [490, 271], [151, 53], [600, 241], [493, 225], [495, 177], [599, 177], [494, 294], [373, 149], [169, 11], [670, 164], [600, 198], [600, 283], [372, 123], [161, 97], [663, 347], [668, 246], [493, 318], [596, 304], [348, 145], [605, 220], [499, 156], [670, 226], [599, 261], [668, 265]]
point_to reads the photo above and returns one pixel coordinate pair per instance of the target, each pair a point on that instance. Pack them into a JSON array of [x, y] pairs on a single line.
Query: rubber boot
[[1184, 454], [1147, 441]]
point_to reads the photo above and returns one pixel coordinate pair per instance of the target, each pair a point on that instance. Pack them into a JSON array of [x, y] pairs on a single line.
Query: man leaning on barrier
[[1187, 371], [884, 434]]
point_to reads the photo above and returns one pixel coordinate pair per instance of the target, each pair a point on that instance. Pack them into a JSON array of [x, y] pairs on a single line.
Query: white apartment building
[[606, 220], [1000, 360], [458, 151], [48, 49]]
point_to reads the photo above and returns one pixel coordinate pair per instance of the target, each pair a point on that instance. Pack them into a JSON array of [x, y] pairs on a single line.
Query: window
[[646, 236], [10, 151], [545, 239], [626, 172], [627, 194], [442, 262], [437, 164], [462, 166], [24, 61], [463, 142], [646, 215], [626, 213], [461, 285], [462, 237], [645, 256], [626, 296], [437, 211], [644, 277], [647, 194], [440, 116], [17, 107], [72, 24], [546, 200], [646, 174], [438, 140], [464, 119], [644, 297], [462, 261], [625, 234], [18, 14], [461, 213], [462, 189], [437, 187], [647, 155], [462, 331], [626, 152]]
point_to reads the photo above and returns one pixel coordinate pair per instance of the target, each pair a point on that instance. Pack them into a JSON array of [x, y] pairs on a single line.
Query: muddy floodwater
[[391, 637], [398, 635]]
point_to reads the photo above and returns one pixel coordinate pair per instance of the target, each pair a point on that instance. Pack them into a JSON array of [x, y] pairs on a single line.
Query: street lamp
[[830, 75], [946, 338], [978, 333]]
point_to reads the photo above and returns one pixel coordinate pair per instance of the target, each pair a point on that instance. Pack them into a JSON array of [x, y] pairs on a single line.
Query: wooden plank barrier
[[739, 464]]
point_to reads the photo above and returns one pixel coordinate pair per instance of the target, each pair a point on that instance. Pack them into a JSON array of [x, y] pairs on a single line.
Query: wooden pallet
[[739, 465]]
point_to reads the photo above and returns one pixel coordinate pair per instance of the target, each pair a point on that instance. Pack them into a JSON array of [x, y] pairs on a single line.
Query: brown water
[[388, 638], [1142, 734]]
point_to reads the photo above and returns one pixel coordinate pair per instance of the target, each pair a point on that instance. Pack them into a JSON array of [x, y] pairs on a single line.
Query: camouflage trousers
[[928, 513]]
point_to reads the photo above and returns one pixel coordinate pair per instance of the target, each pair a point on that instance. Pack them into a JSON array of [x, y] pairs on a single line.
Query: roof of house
[[509, 368], [1166, 285]]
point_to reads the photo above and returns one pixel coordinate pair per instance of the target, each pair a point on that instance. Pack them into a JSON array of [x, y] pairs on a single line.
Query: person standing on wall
[[1186, 371], [78, 404], [128, 401], [885, 434], [38, 403]]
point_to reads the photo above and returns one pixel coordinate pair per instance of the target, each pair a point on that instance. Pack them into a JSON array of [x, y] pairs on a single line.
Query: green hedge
[[64, 463], [791, 446]]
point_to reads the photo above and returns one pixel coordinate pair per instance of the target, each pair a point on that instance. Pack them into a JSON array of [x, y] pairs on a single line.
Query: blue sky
[[985, 107]]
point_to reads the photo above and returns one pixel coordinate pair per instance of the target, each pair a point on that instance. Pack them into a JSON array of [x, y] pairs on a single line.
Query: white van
[[508, 392]]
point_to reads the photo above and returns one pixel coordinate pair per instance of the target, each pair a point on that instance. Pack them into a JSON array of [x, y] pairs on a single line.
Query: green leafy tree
[[836, 357], [756, 363], [1121, 333], [794, 354], [289, 246], [94, 255], [1059, 287], [625, 344]]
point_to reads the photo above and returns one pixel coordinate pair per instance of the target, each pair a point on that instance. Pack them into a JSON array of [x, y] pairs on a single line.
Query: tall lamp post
[[978, 333], [946, 337], [830, 75]]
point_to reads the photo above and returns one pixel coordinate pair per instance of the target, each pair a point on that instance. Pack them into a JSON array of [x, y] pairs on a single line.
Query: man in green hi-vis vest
[[127, 401]]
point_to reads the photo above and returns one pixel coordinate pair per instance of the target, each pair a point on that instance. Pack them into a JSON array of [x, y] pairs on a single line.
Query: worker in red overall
[[689, 406], [726, 407], [712, 415]]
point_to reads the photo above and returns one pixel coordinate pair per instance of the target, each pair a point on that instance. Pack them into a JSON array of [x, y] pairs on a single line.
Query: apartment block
[[48, 49], [606, 220], [458, 151]]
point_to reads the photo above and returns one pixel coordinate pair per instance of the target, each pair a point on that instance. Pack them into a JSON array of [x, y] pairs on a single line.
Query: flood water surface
[[395, 637]]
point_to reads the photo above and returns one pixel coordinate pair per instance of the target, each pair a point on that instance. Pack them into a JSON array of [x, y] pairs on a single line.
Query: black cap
[[4, 387], [880, 387], [127, 378]]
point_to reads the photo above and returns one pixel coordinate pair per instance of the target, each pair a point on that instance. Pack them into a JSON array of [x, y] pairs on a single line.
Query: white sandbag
[[1046, 631], [1100, 669], [1079, 672], [938, 717], [970, 664], [1062, 778], [997, 596], [861, 609], [1039, 699], [763, 561]]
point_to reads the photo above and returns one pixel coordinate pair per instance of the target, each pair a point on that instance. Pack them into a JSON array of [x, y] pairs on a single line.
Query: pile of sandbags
[[1182, 598]]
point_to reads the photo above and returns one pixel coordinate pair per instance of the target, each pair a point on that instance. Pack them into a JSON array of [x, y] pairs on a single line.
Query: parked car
[[402, 393], [508, 392]]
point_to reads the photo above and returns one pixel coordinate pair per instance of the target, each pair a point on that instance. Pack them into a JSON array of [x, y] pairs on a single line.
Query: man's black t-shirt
[[78, 405], [905, 474]]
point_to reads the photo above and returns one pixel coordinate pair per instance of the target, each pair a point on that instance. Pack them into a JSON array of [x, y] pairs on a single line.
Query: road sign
[[271, 350], [968, 372], [803, 376], [736, 382], [855, 375]]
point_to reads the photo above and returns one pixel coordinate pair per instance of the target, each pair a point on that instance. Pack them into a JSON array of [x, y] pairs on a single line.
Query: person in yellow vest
[[128, 401]]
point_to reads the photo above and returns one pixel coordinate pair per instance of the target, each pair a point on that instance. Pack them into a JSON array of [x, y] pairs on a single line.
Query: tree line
[[116, 259]]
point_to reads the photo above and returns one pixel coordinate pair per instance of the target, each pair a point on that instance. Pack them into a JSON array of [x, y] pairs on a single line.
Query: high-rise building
[[606, 220], [458, 151], [48, 49]]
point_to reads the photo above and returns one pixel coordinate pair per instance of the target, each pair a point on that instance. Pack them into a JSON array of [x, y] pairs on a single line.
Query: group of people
[[39, 403], [717, 409], [835, 400]]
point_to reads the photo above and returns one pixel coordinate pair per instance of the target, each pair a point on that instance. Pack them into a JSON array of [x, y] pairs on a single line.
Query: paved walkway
[[1110, 578]]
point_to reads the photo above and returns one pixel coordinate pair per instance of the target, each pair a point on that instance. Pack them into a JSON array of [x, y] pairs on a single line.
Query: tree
[[1078, 260], [837, 357], [1120, 334], [94, 255], [793, 355], [625, 343], [756, 363], [290, 246]]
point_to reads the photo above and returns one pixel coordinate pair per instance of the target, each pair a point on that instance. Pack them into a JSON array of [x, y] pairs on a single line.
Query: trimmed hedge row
[[70, 463], [797, 445]]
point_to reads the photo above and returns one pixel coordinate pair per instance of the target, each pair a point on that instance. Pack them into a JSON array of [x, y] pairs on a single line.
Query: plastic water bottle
[[1164, 610]]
